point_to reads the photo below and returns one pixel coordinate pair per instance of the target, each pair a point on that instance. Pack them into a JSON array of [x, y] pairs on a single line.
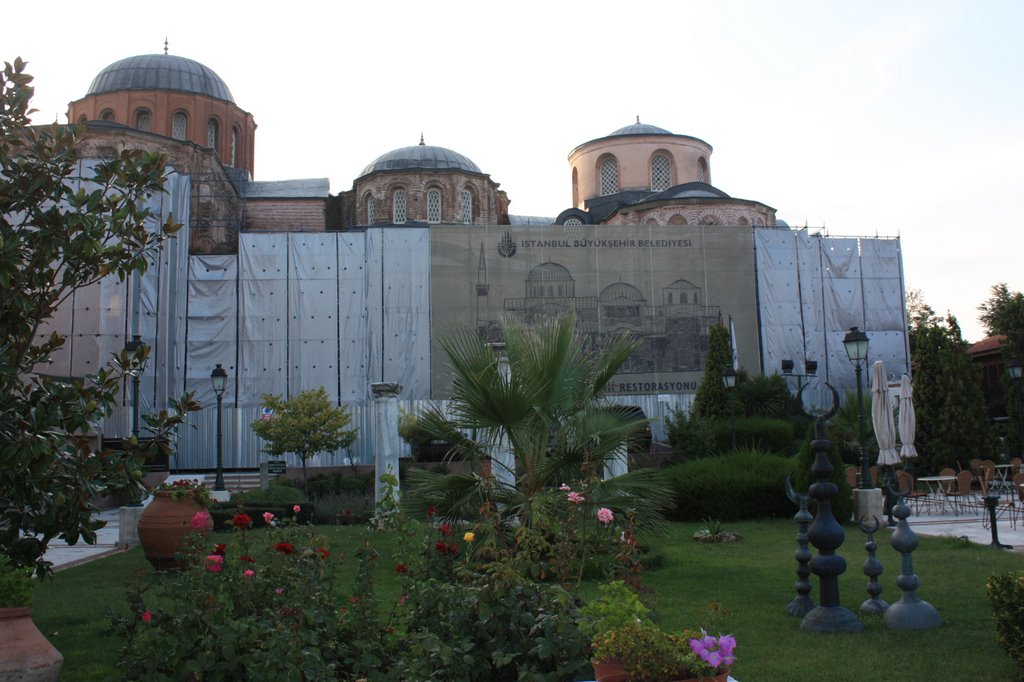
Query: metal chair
[[963, 494]]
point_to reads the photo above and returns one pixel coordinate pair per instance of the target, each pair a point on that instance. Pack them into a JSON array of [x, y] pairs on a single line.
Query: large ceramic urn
[[165, 527], [25, 655]]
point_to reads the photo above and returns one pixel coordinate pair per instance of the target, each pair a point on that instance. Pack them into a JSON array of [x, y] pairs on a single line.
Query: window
[[143, 120], [107, 115], [609, 176], [467, 207], [234, 147], [661, 173], [398, 207], [433, 206], [82, 118], [179, 126], [211, 133], [569, 222], [371, 209]]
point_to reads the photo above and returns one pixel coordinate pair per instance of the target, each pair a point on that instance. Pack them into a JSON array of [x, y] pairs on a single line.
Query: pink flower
[[202, 520], [279, 590], [296, 509], [564, 487], [605, 515], [248, 573], [268, 518], [213, 563], [146, 616], [575, 498]]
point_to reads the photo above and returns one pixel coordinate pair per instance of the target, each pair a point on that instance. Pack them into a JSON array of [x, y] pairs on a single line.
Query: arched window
[[661, 173], [702, 170], [234, 147], [571, 222], [143, 120], [107, 115], [466, 207], [179, 126], [609, 176], [398, 207], [575, 187], [371, 208], [212, 133], [433, 206], [82, 118]]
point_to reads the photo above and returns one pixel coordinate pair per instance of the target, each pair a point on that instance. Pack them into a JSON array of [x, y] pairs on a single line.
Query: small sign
[[277, 466], [266, 413]]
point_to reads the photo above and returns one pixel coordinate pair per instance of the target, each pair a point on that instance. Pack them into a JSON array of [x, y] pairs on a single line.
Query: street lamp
[[810, 370], [219, 378], [131, 347], [729, 379], [856, 344], [1016, 370]]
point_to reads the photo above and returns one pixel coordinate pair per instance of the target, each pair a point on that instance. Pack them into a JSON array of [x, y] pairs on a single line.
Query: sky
[[860, 118]]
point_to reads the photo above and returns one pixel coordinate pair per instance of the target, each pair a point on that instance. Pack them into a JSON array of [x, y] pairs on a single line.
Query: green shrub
[[274, 496], [1006, 591], [345, 508], [691, 435], [15, 584], [340, 482], [743, 485], [761, 433]]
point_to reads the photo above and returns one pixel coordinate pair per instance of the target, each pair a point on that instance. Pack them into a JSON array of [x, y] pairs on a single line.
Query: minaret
[[482, 292]]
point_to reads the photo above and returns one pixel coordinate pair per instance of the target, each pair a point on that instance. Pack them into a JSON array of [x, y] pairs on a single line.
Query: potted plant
[[178, 510], [626, 646], [24, 653]]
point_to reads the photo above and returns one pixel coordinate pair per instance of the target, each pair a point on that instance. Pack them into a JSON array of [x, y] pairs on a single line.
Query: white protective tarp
[[352, 300], [263, 316], [812, 289], [212, 324], [313, 313]]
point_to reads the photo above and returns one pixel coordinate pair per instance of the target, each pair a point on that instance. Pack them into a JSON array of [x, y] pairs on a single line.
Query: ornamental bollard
[[872, 569], [802, 602], [910, 612]]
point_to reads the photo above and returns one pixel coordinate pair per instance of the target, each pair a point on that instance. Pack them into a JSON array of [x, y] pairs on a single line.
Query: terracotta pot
[[164, 528], [25, 655], [612, 671]]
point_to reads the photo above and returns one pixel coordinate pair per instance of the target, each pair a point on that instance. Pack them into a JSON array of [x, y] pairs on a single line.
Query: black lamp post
[[856, 344], [810, 370], [136, 373], [1016, 371], [219, 378], [729, 379]]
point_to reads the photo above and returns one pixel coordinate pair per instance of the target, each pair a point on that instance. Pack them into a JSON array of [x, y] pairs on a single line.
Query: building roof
[[639, 128], [987, 345], [689, 190], [160, 72], [423, 157], [288, 189]]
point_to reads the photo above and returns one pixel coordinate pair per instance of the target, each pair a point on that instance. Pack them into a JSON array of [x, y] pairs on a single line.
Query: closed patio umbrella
[[881, 417], [908, 420]]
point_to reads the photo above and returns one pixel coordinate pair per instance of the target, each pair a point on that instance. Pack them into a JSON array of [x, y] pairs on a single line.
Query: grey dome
[[160, 72], [620, 292], [549, 272], [639, 128], [421, 156]]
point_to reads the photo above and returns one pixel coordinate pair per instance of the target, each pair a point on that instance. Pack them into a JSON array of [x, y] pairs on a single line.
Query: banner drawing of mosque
[[664, 286]]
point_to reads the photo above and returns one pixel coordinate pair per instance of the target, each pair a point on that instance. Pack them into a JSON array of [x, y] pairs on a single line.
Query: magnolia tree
[[306, 425], [59, 234]]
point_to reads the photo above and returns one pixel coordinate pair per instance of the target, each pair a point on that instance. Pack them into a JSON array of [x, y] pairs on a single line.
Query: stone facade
[[700, 212], [490, 204]]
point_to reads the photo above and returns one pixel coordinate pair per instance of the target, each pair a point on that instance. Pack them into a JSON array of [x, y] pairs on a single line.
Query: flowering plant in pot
[[626, 646], [179, 509], [24, 652]]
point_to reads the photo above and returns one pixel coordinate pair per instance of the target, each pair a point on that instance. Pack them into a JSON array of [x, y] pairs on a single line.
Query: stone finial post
[[503, 462], [802, 603], [872, 569], [385, 437], [910, 612]]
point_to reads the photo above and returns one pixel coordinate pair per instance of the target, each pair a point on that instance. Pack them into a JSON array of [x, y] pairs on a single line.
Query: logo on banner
[[506, 247], [266, 413]]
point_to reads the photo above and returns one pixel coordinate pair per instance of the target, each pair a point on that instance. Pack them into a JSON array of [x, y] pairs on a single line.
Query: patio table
[[934, 485]]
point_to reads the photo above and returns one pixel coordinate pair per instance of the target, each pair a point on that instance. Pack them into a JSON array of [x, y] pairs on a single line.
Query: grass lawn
[[753, 578]]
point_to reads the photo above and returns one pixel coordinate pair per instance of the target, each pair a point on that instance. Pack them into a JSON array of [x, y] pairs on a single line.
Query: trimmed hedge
[[758, 433], [746, 484], [340, 483]]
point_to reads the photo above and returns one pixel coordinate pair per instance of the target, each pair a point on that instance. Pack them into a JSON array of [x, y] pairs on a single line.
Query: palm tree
[[545, 408]]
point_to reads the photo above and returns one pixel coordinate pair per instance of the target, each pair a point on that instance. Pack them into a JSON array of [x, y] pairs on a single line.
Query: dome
[[160, 72], [621, 293], [549, 272], [639, 128], [421, 156]]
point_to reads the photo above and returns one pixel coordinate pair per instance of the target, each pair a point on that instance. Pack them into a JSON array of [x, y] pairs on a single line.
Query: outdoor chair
[[851, 476], [907, 486], [947, 486], [1015, 466], [963, 494], [976, 467], [874, 476]]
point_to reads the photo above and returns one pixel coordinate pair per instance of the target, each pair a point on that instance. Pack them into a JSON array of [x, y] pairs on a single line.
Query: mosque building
[[292, 287]]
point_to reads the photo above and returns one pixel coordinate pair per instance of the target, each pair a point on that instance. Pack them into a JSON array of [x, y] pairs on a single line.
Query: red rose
[[453, 550], [246, 557], [441, 547], [431, 510], [220, 549], [445, 529], [323, 552], [284, 547], [401, 568], [241, 521]]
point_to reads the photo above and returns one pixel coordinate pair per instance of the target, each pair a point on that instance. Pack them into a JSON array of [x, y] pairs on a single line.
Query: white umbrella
[[881, 417], [908, 420]]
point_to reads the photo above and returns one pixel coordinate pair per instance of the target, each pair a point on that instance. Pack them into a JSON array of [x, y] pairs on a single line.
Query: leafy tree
[[546, 410], [306, 425], [712, 399], [952, 425], [1003, 313], [58, 234]]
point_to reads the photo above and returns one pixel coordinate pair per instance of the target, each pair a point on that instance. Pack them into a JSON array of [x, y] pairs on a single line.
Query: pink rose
[[248, 573], [564, 487], [575, 498], [202, 520], [605, 515], [296, 509], [268, 518], [147, 616]]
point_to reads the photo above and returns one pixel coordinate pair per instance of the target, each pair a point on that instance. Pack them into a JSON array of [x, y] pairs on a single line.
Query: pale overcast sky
[[879, 117]]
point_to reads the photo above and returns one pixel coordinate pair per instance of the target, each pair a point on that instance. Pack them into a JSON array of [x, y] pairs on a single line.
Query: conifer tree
[[712, 399]]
